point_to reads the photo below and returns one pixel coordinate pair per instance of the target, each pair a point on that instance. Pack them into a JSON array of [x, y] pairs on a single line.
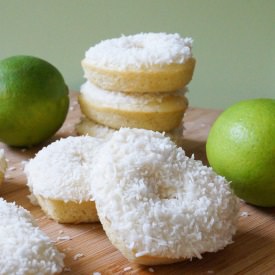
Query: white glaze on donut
[[60, 171]]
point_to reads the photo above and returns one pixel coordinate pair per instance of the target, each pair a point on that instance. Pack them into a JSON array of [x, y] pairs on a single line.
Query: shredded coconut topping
[[140, 51], [25, 249], [122, 100], [159, 201], [59, 171]]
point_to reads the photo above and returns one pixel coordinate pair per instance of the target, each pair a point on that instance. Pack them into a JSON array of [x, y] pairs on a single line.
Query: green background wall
[[234, 40]]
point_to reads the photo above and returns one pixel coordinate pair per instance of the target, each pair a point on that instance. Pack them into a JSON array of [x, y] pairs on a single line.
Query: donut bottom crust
[[69, 212], [129, 254], [156, 120], [166, 78]]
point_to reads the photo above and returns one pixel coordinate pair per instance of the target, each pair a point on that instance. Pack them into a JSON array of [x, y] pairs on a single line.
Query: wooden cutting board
[[253, 250]]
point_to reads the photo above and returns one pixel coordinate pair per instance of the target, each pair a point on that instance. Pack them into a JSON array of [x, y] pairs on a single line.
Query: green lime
[[241, 147], [34, 100]]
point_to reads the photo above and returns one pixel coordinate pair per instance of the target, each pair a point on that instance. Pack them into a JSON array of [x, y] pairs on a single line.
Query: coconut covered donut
[[93, 129], [145, 62], [3, 165], [158, 111], [163, 206], [25, 249], [58, 177]]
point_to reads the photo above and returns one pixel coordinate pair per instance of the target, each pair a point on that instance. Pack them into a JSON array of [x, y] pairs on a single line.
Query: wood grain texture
[[253, 250]]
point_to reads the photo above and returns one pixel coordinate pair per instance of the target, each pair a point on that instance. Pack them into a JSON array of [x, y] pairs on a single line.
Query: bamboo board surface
[[253, 250]]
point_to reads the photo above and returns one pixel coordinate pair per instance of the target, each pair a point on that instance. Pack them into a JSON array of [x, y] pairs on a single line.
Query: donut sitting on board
[[58, 178], [163, 207]]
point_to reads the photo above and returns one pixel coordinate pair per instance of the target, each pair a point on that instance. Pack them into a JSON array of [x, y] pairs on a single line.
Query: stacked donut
[[136, 81]]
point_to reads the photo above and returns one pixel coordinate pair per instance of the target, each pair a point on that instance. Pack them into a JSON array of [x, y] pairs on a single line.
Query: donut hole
[[134, 45], [151, 187], [167, 193], [79, 158], [138, 46]]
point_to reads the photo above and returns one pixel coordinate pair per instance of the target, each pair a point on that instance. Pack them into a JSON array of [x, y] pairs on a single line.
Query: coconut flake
[[63, 238], [78, 256], [244, 214]]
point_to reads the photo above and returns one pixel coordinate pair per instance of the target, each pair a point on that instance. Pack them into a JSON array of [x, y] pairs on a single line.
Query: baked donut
[[163, 207], [93, 129], [25, 249], [58, 177], [145, 62], [158, 112], [3, 165]]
